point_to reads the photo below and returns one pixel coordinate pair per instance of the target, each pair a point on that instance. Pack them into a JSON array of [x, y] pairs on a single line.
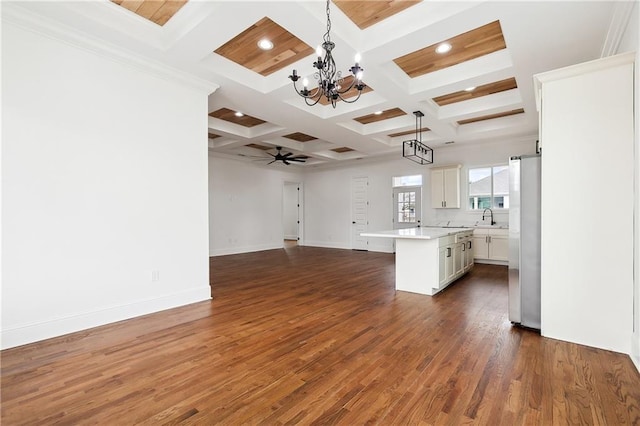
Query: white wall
[[630, 43], [103, 182], [328, 198], [328, 221], [245, 205], [290, 210]]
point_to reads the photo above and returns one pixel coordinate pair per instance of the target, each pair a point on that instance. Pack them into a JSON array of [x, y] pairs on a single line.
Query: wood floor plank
[[304, 336]]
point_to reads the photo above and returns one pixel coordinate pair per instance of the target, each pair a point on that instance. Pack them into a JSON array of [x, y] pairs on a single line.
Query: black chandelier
[[329, 79], [414, 149]]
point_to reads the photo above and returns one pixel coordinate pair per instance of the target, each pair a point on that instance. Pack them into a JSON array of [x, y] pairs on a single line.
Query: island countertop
[[422, 233]]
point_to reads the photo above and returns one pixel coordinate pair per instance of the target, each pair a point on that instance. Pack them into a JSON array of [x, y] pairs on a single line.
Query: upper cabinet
[[445, 187]]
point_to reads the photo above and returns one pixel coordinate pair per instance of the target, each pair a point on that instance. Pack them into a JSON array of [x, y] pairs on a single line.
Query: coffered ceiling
[[480, 90]]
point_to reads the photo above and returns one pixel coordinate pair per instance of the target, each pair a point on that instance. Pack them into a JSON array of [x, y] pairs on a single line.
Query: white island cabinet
[[429, 259], [491, 245]]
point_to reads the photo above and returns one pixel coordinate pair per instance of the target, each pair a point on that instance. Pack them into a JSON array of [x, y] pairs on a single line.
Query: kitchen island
[[429, 258]]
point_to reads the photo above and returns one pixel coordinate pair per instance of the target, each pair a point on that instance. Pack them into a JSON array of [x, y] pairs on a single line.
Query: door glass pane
[[407, 207]]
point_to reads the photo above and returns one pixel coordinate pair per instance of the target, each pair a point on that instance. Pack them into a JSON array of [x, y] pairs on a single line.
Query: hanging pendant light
[[414, 149], [329, 79]]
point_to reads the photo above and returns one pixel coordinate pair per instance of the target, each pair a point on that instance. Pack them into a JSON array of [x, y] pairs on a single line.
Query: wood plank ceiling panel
[[484, 90], [229, 115], [157, 11], [342, 149], [258, 146], [408, 132], [367, 13], [300, 137], [387, 114], [464, 47], [492, 116], [243, 49]]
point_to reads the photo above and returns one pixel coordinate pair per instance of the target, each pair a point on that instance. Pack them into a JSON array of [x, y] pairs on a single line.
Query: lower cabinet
[[455, 257], [491, 244]]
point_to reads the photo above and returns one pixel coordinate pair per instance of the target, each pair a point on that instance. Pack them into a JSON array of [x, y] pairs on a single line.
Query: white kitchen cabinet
[[446, 265], [458, 258], [454, 258], [467, 250], [491, 244], [445, 187], [587, 138]]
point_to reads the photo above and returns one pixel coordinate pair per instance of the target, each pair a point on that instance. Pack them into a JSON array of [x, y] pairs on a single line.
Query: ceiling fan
[[286, 158]]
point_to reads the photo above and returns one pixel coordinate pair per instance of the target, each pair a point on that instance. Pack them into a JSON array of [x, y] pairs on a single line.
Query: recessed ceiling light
[[378, 112], [470, 89], [265, 44], [239, 114], [443, 48]]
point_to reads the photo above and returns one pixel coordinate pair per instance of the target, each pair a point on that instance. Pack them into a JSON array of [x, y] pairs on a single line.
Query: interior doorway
[[359, 212], [407, 201], [292, 213]]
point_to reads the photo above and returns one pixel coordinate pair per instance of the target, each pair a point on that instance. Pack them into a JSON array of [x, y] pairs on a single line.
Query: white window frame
[[468, 194]]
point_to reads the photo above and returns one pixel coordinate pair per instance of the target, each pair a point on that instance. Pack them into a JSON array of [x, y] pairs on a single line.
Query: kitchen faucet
[[491, 215]]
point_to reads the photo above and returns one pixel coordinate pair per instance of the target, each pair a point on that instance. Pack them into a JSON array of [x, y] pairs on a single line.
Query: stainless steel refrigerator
[[524, 241]]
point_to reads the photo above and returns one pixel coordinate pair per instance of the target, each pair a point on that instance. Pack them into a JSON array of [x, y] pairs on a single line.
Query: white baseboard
[[327, 244], [245, 249], [492, 262], [29, 333]]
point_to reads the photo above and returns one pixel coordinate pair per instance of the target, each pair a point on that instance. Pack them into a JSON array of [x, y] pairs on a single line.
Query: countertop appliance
[[524, 241]]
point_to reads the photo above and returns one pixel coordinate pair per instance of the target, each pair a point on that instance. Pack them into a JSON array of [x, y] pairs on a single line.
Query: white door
[[359, 212], [407, 207], [291, 211]]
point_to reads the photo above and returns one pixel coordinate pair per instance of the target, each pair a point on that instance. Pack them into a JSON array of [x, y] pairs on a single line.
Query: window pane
[[480, 181], [484, 203], [500, 183], [414, 180]]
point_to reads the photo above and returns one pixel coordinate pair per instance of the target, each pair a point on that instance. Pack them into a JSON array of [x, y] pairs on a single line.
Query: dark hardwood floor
[[319, 336]]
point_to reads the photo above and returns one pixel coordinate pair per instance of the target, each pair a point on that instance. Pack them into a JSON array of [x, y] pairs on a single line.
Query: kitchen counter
[[423, 233], [429, 258]]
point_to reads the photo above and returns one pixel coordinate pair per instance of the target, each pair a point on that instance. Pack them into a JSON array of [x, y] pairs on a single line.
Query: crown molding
[[14, 13], [617, 26]]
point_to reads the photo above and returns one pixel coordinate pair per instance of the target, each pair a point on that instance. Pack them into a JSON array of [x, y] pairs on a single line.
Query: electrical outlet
[[155, 276]]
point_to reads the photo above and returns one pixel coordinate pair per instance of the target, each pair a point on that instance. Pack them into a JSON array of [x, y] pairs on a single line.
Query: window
[[489, 187], [413, 180]]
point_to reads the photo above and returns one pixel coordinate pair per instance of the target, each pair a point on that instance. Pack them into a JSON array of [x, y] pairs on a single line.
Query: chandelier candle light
[[414, 149], [329, 79]]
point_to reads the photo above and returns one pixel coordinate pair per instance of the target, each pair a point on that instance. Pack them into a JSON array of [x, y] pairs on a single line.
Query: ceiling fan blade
[[288, 154], [272, 161], [297, 160], [301, 157]]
